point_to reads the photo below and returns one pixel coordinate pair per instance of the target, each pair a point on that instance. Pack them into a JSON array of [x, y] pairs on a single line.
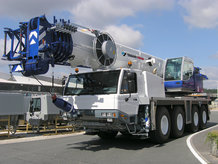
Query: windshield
[[173, 69], [35, 105], [93, 83]]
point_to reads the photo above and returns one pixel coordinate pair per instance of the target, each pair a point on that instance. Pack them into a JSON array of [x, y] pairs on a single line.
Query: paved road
[[84, 149]]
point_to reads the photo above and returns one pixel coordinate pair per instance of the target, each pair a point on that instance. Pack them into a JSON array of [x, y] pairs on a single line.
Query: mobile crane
[[128, 91]]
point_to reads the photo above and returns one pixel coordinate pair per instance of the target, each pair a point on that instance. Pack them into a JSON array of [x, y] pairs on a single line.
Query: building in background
[[18, 83]]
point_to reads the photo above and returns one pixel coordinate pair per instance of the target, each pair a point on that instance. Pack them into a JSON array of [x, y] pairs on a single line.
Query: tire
[[202, 117], [194, 126], [163, 126], [13, 130], [178, 122], [107, 135], [35, 129]]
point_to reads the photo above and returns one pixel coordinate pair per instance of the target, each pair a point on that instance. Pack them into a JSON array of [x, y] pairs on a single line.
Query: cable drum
[[105, 49], [62, 46]]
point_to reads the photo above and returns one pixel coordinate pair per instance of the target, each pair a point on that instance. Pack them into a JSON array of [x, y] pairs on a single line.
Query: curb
[[194, 151]]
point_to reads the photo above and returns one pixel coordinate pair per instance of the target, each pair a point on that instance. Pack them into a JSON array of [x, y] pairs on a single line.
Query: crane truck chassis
[[132, 102], [127, 91]]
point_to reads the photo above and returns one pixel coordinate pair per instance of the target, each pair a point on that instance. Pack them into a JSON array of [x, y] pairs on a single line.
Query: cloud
[[2, 50], [125, 35], [4, 63], [211, 84], [1, 46], [107, 12], [99, 13], [211, 73], [215, 56], [94, 12], [200, 13], [8, 46], [31, 8], [103, 14]]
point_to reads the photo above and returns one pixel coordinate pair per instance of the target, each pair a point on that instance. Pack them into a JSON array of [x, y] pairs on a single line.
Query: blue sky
[[163, 28]]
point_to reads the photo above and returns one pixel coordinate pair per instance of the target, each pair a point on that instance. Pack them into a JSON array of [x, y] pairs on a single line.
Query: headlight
[[109, 114], [103, 114]]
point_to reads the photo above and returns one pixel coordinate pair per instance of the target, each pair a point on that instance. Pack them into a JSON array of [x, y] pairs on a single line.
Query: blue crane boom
[[36, 45]]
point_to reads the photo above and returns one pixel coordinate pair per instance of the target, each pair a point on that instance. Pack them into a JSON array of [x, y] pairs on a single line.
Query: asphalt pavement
[[83, 149]]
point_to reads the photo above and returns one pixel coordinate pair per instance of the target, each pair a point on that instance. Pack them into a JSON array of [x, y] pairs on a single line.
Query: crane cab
[[181, 76]]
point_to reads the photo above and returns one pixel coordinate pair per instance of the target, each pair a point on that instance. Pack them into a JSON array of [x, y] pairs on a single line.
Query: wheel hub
[[196, 119], [164, 125], [204, 117], [179, 122]]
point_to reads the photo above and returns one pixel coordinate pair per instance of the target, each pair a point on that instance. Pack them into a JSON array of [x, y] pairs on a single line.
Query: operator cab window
[[125, 84], [188, 69], [173, 69]]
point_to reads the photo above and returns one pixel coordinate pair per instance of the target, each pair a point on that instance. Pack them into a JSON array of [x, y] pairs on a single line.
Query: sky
[[163, 28]]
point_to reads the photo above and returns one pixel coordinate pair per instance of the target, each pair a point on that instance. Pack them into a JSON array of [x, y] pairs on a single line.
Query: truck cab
[[41, 110], [113, 99]]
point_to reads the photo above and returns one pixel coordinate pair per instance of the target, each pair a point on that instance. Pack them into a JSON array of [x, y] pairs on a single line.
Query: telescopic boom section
[[38, 43]]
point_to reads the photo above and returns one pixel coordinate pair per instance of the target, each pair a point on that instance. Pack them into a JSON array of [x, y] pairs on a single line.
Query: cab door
[[187, 75], [128, 99]]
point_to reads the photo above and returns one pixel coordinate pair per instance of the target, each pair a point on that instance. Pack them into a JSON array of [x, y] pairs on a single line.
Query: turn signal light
[[129, 63], [76, 70], [43, 41]]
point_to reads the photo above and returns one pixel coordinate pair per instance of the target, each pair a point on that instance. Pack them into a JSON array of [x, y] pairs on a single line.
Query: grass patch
[[213, 136]]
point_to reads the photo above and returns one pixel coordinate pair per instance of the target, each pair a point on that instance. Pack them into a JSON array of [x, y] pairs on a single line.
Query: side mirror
[[63, 82], [31, 106], [31, 109]]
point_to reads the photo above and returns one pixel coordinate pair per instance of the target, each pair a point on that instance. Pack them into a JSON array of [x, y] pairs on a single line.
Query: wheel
[[107, 135], [178, 122], [202, 117], [35, 129], [13, 130], [194, 126], [163, 126]]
